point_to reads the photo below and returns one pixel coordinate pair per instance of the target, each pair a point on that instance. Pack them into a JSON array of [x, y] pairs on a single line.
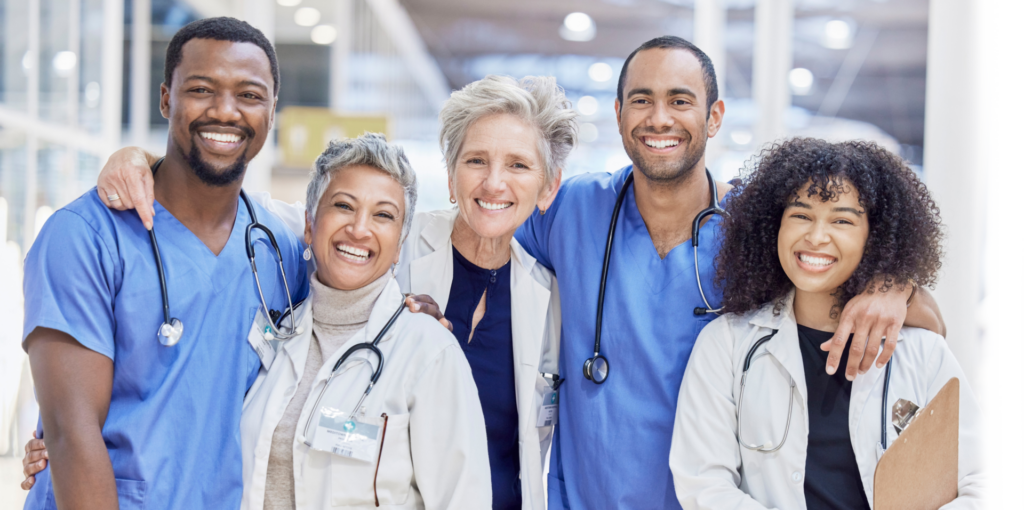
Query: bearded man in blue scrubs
[[612, 440], [129, 422]]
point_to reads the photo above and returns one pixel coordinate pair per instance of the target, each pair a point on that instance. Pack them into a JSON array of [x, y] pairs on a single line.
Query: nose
[[660, 118], [360, 226], [495, 181], [225, 108], [819, 234]]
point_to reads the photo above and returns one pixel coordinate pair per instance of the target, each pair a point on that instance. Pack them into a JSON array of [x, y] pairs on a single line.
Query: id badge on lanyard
[[339, 433], [265, 349]]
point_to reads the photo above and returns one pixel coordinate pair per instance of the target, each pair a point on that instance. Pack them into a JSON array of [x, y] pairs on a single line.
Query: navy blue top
[[832, 479], [490, 357]]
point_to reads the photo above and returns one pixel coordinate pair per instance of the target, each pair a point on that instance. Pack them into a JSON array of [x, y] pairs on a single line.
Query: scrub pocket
[[352, 481]]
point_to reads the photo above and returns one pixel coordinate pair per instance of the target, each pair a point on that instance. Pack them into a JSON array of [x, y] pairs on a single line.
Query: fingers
[[873, 346], [836, 345], [141, 193], [891, 337], [32, 468], [425, 304], [28, 483], [857, 347]]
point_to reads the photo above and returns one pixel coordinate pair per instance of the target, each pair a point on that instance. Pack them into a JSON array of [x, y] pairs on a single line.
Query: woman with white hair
[[505, 142], [369, 407]]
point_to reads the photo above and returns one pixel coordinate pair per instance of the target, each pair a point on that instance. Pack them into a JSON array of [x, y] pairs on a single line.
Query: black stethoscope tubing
[[746, 366], [596, 368], [172, 329], [374, 377]]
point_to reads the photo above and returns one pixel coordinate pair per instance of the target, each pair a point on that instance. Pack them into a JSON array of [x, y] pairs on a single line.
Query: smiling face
[[822, 243], [663, 117], [221, 106], [357, 231], [499, 176]]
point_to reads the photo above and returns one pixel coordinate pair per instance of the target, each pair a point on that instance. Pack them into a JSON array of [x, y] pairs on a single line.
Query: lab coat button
[[797, 476]]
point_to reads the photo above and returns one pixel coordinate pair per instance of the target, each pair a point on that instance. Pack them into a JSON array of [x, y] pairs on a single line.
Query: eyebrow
[[251, 83], [797, 203], [672, 92]]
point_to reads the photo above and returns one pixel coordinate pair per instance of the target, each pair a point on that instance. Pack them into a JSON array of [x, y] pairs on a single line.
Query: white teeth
[[352, 251], [816, 261], [220, 137], [493, 207], [661, 144]]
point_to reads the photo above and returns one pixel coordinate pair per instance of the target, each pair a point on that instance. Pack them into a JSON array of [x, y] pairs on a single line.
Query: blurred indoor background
[[80, 78]]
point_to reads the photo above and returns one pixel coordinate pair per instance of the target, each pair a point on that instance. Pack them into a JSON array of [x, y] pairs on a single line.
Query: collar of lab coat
[[785, 347], [530, 298], [385, 306]]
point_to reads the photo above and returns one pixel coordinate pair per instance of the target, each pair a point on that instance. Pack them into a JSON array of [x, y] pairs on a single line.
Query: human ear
[[550, 191], [165, 101], [715, 118], [308, 234]]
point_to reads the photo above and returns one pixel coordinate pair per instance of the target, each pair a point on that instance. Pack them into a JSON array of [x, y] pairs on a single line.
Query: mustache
[[641, 130], [195, 125]]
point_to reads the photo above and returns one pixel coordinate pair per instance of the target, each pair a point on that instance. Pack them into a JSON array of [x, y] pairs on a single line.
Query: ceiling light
[[288, 3], [307, 17], [800, 81], [577, 26], [64, 63], [838, 35], [587, 105], [323, 34], [600, 72], [588, 132]]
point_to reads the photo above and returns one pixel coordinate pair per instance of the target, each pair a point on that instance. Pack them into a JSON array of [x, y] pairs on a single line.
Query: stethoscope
[[370, 346], [596, 368], [767, 447], [171, 330]]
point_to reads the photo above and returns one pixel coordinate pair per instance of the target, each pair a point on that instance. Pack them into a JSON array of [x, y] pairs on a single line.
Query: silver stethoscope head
[[170, 332]]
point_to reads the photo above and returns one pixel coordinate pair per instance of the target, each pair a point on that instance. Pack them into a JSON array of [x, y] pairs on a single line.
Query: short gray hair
[[370, 149], [538, 100]]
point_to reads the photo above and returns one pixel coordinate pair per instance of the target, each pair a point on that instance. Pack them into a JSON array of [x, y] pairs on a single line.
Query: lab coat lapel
[[382, 311], [432, 273], [785, 346], [529, 314]]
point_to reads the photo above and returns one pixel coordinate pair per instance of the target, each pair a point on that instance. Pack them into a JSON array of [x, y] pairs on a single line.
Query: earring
[[542, 211], [307, 253], [451, 199]]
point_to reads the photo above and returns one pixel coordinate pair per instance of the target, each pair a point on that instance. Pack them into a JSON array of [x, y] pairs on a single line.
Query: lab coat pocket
[[386, 479]]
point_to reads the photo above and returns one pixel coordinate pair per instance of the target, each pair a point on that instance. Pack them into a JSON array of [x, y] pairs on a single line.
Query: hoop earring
[[451, 199]]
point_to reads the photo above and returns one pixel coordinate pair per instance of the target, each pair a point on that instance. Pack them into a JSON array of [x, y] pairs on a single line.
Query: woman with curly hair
[[808, 229]]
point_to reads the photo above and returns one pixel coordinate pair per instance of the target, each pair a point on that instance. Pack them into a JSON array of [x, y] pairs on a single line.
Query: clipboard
[[919, 471]]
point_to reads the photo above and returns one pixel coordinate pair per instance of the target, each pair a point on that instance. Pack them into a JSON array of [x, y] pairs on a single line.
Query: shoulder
[[424, 219], [426, 335], [89, 209], [538, 272], [286, 239], [86, 220], [918, 345], [588, 185]]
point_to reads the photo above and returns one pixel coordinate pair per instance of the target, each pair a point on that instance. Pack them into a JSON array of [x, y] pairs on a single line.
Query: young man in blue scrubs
[[129, 422], [612, 440]]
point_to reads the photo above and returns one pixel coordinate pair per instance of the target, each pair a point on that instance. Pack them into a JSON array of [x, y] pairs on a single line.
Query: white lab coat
[[426, 268], [434, 452], [713, 471]]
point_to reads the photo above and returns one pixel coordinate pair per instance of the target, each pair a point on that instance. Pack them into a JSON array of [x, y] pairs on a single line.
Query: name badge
[[548, 414], [258, 339], [337, 434]]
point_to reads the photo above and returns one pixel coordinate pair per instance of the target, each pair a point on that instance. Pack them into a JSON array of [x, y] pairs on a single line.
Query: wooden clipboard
[[919, 471]]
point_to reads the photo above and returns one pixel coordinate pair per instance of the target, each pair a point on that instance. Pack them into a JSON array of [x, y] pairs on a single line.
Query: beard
[[204, 170], [662, 171], [209, 175]]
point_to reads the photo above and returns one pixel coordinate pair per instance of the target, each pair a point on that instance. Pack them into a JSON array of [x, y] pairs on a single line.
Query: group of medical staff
[[540, 344]]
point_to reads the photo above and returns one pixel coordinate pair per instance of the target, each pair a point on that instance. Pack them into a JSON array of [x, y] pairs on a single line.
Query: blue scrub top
[[172, 430], [612, 441]]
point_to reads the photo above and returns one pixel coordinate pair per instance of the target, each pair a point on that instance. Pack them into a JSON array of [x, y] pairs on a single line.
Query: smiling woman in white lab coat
[[417, 440], [807, 230], [505, 142]]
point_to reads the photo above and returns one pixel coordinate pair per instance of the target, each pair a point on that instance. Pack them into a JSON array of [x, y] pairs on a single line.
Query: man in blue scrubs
[[612, 440], [129, 422]]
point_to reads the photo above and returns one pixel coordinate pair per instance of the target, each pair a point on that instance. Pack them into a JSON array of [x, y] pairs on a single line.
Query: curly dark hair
[[219, 29], [904, 228]]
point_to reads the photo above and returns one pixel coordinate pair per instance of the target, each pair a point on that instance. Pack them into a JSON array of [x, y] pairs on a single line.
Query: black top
[[831, 478], [492, 361]]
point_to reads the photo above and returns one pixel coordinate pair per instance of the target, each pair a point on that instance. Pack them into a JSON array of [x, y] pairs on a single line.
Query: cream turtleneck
[[337, 315]]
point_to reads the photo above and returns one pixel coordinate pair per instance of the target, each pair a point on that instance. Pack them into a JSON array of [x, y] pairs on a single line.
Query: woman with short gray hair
[[505, 142]]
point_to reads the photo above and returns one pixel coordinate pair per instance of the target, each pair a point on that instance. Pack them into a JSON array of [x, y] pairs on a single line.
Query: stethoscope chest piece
[[170, 332], [596, 369]]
